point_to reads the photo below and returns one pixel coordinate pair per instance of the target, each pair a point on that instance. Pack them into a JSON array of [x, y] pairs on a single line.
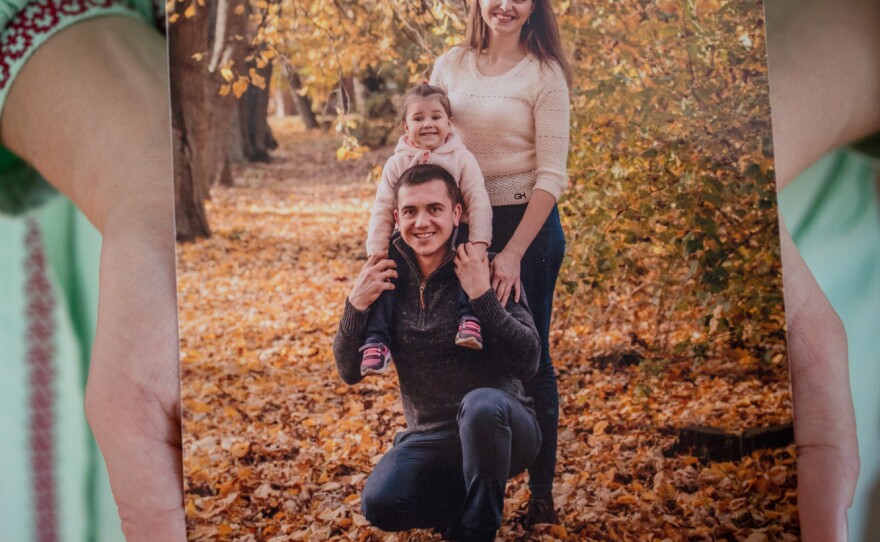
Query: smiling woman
[[509, 84]]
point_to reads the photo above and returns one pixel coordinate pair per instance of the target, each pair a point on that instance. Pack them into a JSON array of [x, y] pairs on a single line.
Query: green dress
[[53, 483], [833, 213]]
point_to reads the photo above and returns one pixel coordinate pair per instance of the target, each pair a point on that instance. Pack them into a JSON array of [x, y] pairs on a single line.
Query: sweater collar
[[410, 256]]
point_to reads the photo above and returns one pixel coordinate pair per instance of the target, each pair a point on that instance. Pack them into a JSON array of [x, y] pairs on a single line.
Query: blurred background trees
[[670, 215]]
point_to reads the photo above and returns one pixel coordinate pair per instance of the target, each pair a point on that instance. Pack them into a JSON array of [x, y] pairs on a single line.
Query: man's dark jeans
[[539, 271], [454, 476]]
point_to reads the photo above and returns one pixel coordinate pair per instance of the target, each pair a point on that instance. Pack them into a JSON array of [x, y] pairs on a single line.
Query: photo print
[[667, 339]]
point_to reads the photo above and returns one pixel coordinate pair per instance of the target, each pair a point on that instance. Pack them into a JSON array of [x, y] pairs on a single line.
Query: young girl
[[427, 139]]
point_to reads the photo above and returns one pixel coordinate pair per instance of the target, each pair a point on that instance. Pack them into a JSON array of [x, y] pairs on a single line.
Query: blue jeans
[[381, 317], [454, 476], [539, 271]]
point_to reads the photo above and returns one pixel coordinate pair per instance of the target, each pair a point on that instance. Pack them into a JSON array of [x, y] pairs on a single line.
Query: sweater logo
[[520, 195]]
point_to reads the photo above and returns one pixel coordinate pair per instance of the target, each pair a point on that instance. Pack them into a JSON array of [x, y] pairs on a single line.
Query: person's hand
[[823, 57], [824, 421], [374, 278], [90, 110], [505, 276], [472, 270]]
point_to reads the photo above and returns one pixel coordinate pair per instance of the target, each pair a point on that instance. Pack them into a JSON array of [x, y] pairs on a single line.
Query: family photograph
[[488, 270]]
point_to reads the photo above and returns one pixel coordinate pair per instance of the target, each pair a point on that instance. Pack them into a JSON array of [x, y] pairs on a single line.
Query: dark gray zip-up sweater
[[435, 374]]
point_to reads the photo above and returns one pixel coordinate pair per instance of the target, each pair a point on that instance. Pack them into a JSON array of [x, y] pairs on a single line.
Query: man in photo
[[470, 426]]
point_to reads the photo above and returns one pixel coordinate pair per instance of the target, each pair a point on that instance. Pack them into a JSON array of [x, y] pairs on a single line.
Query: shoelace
[[469, 325], [374, 352]]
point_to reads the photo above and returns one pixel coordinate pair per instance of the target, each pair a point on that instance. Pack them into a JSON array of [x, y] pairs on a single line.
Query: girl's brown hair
[[424, 90], [539, 36]]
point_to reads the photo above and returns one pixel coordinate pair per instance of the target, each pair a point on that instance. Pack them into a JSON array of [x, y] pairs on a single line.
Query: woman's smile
[[506, 15]]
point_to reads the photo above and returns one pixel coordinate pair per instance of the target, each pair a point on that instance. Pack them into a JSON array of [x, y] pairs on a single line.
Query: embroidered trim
[[40, 330]]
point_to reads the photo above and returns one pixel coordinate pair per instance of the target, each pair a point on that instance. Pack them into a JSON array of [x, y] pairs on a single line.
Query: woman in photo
[[509, 84]]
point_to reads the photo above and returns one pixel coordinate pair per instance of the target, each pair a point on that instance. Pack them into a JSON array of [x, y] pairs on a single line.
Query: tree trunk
[[303, 103], [277, 102], [360, 98], [197, 113], [234, 137], [253, 108], [304, 106]]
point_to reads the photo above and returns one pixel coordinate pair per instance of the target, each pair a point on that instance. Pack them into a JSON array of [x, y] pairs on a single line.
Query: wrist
[[512, 250], [479, 290], [357, 303]]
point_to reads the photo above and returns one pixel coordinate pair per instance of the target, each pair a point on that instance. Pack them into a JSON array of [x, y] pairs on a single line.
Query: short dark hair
[[424, 90], [425, 173]]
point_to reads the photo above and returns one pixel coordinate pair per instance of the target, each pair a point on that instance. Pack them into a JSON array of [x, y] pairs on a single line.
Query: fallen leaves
[[276, 448]]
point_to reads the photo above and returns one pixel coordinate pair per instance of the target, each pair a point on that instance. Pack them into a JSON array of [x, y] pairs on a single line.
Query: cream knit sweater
[[516, 124]]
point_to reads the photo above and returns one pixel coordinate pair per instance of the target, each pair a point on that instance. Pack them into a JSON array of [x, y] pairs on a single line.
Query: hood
[[453, 143]]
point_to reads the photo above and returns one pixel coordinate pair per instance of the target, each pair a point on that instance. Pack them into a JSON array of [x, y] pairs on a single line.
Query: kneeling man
[[470, 425]]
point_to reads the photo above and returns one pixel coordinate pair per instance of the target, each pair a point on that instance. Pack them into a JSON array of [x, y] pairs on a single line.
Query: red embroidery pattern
[[35, 19], [40, 328]]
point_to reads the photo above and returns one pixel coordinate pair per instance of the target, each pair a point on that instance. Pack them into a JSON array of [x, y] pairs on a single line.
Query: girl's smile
[[426, 125]]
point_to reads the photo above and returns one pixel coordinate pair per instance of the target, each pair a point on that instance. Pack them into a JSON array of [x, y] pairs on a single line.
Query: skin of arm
[[90, 111], [824, 61]]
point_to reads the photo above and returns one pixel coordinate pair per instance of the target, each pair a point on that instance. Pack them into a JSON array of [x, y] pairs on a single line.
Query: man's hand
[[472, 270], [374, 278]]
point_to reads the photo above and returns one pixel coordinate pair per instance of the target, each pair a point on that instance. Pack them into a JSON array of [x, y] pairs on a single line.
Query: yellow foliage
[[240, 86], [226, 73], [257, 80]]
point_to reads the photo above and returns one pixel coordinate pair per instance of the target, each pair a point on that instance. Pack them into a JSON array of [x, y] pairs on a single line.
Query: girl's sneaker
[[375, 360], [469, 333]]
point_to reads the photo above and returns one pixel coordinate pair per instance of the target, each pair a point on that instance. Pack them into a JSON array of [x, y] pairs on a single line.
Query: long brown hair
[[539, 36]]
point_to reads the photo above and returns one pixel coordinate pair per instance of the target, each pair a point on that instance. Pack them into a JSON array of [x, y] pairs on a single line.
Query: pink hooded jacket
[[454, 157]]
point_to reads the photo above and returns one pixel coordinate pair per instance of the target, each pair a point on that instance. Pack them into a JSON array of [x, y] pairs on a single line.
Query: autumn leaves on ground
[[277, 448]]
